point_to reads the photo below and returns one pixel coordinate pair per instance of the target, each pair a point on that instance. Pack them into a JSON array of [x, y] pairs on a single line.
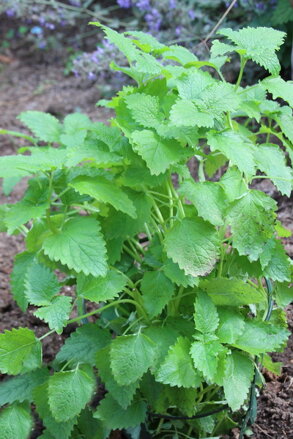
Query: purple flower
[[91, 76], [178, 30], [50, 26], [260, 6], [191, 14], [124, 3], [36, 30], [10, 12], [154, 20], [42, 44], [74, 2], [172, 4], [144, 5]]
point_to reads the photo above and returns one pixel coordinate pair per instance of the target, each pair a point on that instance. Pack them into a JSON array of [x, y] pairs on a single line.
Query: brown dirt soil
[[32, 86]]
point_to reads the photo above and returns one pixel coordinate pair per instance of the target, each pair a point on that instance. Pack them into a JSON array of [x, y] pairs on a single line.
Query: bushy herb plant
[[187, 278]]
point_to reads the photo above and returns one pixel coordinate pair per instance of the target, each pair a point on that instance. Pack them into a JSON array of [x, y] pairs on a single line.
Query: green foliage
[[173, 265]]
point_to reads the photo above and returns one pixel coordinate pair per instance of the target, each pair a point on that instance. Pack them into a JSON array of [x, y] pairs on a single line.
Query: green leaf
[[233, 184], [269, 364], [247, 42], [191, 84], [20, 388], [105, 191], [70, 391], [99, 289], [231, 292], [205, 357], [251, 219], [236, 148], [208, 198], [33, 205], [94, 151], [163, 337], [90, 428], [158, 154], [261, 337], [219, 48], [176, 275], [79, 245], [218, 98], [22, 263], [59, 430], [275, 263], [124, 44], [83, 344], [237, 381], [76, 126], [19, 351], [279, 88], [157, 291], [115, 417], [193, 245], [56, 313], [177, 368], [185, 113], [15, 422], [204, 307], [271, 160], [180, 54], [41, 284], [131, 356], [145, 109], [44, 126], [284, 294], [231, 325], [122, 394]]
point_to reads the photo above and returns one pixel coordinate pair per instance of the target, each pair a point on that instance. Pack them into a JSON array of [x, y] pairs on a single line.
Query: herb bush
[[188, 279]]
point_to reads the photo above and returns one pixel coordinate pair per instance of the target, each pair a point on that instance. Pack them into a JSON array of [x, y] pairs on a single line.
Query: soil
[[27, 85]]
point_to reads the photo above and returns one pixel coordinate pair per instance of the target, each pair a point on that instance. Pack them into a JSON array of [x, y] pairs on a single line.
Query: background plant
[[175, 266]]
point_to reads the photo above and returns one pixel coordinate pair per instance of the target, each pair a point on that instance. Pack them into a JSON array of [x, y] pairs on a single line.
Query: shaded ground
[[44, 87]]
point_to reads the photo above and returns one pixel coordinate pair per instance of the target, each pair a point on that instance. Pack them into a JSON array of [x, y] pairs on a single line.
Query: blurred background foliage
[[61, 28]]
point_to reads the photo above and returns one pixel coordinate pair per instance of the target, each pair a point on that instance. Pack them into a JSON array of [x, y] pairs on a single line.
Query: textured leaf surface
[[192, 244], [19, 349], [106, 191], [236, 148], [20, 388], [70, 391], [122, 394], [145, 109], [231, 325], [56, 313], [261, 337], [41, 284], [83, 344], [99, 289], [116, 417], [157, 290], [131, 356], [275, 262], [185, 113], [279, 88], [204, 307], [208, 198], [159, 155], [237, 381], [177, 368], [205, 357], [271, 161], [192, 83], [15, 422], [44, 126], [79, 245], [177, 275], [21, 264], [231, 292], [233, 184]]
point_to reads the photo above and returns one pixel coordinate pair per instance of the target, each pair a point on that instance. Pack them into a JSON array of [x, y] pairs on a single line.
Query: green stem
[[243, 62], [171, 203], [17, 134]]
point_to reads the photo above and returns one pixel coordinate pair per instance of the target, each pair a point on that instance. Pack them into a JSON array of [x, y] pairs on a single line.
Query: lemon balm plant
[[188, 277]]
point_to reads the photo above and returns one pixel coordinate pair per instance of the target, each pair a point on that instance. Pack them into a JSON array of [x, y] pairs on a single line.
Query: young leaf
[[145, 109], [208, 198], [15, 422], [177, 275], [41, 284], [70, 391], [231, 325], [232, 292], [279, 88], [79, 245], [44, 126], [191, 84], [205, 357], [158, 154], [177, 369], [59, 430], [157, 290], [22, 263], [19, 351], [284, 294], [185, 113], [105, 191], [114, 416], [20, 388], [261, 337], [83, 344], [193, 244], [56, 313], [271, 160], [237, 381], [233, 184], [131, 356], [163, 337], [99, 289], [204, 307], [122, 394], [274, 261]]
